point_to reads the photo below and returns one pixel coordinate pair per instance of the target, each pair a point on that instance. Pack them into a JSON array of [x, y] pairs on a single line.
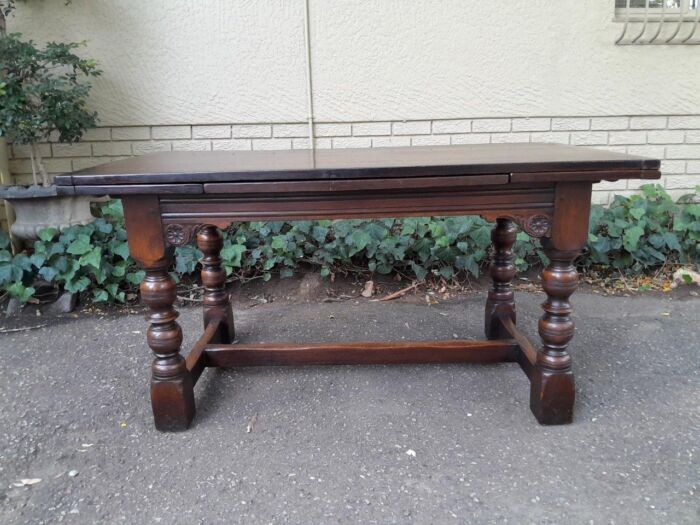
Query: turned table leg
[[217, 301], [552, 390], [172, 392], [500, 302], [552, 382]]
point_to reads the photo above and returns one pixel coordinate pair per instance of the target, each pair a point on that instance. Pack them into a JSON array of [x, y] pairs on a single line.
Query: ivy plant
[[89, 258], [643, 231]]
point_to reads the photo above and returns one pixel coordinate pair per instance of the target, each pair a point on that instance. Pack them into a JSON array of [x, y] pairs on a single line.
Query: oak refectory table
[[172, 198]]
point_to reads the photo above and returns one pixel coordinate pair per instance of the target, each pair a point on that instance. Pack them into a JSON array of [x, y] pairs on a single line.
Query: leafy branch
[[44, 91]]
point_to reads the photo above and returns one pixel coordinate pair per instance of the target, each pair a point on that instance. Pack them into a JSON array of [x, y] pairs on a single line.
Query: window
[[670, 9], [657, 22]]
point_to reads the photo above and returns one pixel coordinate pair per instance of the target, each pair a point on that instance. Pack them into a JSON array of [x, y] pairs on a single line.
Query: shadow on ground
[[336, 444]]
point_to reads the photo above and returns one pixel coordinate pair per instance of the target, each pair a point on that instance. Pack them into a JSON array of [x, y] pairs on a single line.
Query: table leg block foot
[[493, 326], [552, 397], [225, 333], [173, 403]]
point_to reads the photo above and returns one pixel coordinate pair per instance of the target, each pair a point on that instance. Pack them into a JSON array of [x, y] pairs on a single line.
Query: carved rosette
[[180, 234], [536, 225]]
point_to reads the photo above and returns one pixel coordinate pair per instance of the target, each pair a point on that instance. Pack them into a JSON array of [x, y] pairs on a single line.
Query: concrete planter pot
[[38, 207]]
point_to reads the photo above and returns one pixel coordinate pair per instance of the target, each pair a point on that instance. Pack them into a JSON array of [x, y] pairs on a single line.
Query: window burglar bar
[[658, 22]]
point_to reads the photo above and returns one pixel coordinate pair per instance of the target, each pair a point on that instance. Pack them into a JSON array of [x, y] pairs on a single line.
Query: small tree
[[43, 91], [6, 8]]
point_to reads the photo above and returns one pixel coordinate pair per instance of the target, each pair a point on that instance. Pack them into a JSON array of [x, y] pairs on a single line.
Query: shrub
[[92, 257], [43, 91], [643, 231]]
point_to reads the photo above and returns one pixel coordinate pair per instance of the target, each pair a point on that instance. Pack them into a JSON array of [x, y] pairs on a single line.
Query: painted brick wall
[[675, 139]]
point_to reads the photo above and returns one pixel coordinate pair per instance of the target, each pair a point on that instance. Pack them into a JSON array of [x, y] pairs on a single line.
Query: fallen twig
[[21, 329], [398, 293], [624, 281], [182, 298]]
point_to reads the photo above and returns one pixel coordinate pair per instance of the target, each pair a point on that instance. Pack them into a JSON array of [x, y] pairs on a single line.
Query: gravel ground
[[401, 444]]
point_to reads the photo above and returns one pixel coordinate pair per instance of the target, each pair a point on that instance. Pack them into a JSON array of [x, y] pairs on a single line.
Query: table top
[[570, 163]]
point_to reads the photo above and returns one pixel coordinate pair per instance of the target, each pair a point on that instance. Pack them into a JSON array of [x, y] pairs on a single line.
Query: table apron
[[489, 202]]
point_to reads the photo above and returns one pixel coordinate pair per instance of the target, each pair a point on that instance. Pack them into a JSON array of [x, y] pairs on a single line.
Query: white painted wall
[[223, 61]]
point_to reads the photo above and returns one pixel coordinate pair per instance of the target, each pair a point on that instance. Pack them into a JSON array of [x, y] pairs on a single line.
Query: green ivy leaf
[[232, 254], [113, 209], [7, 273], [319, 233], [135, 278], [92, 258], [103, 226], [121, 249], [671, 240], [447, 272], [481, 236], [637, 213], [80, 245], [100, 295], [119, 269], [358, 241], [20, 292], [442, 242], [47, 234], [279, 242], [77, 285], [186, 258], [49, 273], [420, 272], [631, 238], [37, 259], [56, 248]]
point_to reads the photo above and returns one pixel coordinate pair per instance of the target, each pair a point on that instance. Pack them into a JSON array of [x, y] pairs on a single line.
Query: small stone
[[73, 473], [411, 452], [310, 285], [63, 305], [14, 307]]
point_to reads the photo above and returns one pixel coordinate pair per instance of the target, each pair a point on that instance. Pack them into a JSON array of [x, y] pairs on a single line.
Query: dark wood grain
[[586, 176], [352, 185], [172, 394], [500, 302], [365, 163], [216, 301], [222, 209], [361, 353], [528, 350], [195, 362], [552, 391], [132, 189]]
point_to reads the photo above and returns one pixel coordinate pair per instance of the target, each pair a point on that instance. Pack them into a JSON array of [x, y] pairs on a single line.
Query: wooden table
[[171, 198]]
